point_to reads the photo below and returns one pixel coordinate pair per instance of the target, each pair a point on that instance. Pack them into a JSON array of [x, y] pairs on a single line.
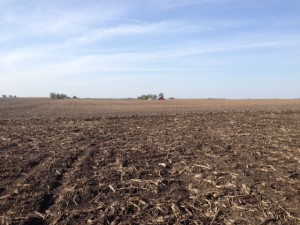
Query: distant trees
[[147, 97], [160, 96], [52, 95], [9, 96], [58, 96]]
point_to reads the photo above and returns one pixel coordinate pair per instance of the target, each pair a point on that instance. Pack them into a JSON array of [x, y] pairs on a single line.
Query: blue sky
[[184, 48]]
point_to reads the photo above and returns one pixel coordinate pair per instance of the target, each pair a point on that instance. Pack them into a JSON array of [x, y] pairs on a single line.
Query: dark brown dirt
[[165, 163]]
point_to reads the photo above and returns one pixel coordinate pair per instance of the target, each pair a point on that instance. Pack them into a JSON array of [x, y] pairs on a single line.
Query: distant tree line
[[60, 96], [147, 97], [160, 96], [9, 96]]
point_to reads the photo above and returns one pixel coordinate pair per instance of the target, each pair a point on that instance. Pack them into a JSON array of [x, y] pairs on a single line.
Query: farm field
[[149, 162]]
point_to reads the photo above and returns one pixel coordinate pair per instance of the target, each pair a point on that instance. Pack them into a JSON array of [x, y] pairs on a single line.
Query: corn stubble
[[219, 167]]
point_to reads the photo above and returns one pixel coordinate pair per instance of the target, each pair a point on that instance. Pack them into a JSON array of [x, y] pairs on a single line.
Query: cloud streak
[[172, 4]]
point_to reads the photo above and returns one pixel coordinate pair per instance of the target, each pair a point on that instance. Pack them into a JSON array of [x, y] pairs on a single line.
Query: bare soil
[[149, 162]]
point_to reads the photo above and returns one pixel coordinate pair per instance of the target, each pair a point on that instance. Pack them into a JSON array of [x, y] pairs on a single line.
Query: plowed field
[[134, 162]]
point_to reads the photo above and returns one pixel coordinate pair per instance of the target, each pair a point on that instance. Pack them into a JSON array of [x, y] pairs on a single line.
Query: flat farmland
[[149, 162]]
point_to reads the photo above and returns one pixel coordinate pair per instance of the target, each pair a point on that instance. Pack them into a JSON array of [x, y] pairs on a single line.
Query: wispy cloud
[[171, 4], [40, 21], [10, 59], [121, 30], [195, 56]]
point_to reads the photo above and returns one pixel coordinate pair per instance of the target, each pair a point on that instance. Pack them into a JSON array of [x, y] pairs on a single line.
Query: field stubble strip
[[225, 168]]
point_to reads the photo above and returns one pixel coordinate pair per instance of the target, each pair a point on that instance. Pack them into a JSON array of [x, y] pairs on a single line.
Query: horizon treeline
[[60, 96]]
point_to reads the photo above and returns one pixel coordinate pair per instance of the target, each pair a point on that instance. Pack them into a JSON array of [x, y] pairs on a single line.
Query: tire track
[[44, 194], [49, 198], [66, 186], [36, 166]]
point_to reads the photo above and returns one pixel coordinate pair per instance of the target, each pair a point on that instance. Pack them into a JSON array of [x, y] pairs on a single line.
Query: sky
[[126, 48]]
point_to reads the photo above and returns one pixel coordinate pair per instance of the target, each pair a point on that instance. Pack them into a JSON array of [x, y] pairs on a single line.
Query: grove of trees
[[147, 97], [58, 96], [160, 96], [9, 96]]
